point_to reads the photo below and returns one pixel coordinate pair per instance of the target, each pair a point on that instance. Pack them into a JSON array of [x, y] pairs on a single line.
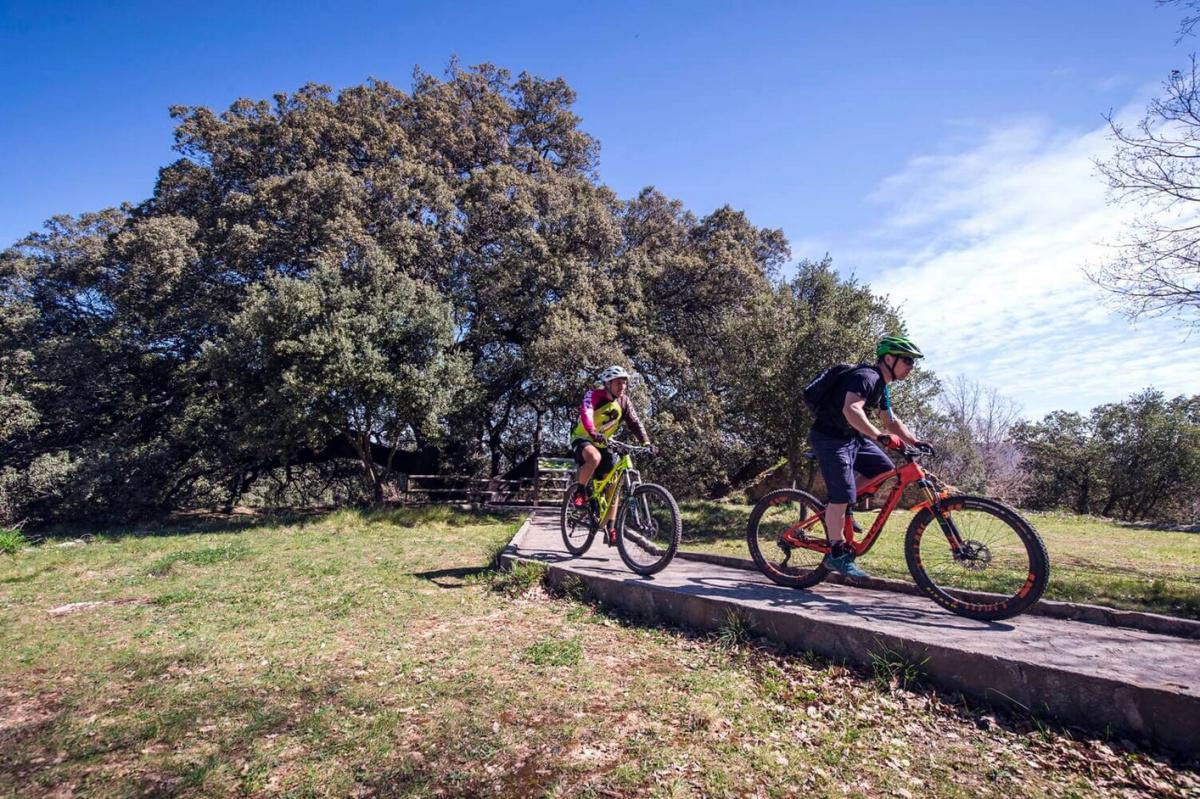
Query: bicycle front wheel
[[997, 568], [802, 516], [648, 529], [577, 523]]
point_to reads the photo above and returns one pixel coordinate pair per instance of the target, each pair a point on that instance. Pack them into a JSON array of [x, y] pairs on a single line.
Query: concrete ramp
[[1128, 681]]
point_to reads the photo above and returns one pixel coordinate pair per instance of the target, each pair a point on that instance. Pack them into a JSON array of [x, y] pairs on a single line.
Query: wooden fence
[[545, 489]]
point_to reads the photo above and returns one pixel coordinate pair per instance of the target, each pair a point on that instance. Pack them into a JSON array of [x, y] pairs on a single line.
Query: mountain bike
[[648, 522], [988, 562]]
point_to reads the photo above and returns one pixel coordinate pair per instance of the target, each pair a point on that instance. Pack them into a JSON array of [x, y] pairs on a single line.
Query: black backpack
[[817, 392]]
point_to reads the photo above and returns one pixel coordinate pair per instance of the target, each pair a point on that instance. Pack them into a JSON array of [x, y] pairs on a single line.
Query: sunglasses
[[906, 360]]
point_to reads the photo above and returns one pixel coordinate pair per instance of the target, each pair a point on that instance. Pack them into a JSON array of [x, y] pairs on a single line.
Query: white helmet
[[612, 373]]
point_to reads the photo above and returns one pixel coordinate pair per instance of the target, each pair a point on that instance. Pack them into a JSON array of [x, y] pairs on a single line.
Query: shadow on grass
[[1159, 528], [26, 578], [710, 522], [442, 577], [111, 757], [216, 523]]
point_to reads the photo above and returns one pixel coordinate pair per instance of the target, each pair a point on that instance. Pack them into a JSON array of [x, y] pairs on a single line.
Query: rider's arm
[[585, 414], [629, 414], [855, 412], [898, 427]]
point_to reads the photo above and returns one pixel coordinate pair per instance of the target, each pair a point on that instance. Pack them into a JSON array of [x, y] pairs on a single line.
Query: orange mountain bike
[[974, 556]]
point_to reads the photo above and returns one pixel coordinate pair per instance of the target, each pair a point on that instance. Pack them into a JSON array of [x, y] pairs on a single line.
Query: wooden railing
[[547, 488]]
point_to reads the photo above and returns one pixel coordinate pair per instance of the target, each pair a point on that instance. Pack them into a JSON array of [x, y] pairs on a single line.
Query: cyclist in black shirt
[[844, 439]]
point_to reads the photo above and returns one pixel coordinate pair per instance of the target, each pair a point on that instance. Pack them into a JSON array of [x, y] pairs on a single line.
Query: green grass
[[554, 653], [519, 579], [197, 557], [378, 655], [894, 668], [11, 542], [734, 632], [1094, 561]]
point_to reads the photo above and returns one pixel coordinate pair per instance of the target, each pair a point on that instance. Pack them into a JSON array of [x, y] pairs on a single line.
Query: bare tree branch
[[1156, 267]]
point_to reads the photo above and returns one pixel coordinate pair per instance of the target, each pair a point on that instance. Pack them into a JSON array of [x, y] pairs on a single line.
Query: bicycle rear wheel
[[782, 561], [578, 525], [648, 529], [999, 570]]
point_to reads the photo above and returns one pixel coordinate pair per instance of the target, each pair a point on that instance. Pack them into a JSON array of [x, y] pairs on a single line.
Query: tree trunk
[[810, 471], [794, 465], [362, 445], [494, 447], [235, 490]]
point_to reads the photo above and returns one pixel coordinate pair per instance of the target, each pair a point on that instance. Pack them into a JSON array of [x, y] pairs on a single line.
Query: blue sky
[[941, 151]]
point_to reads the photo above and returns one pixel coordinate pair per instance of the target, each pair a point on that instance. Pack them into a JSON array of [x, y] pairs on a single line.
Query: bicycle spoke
[[782, 557], [577, 525], [999, 555], [649, 529]]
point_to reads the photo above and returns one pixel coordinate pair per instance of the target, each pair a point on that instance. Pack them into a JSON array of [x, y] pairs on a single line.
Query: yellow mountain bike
[[648, 523]]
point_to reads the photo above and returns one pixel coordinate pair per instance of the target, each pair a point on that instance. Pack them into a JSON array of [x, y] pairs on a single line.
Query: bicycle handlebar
[[919, 451], [625, 447]]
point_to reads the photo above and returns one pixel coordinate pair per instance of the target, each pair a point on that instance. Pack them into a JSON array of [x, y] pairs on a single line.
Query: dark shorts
[[841, 457], [606, 458]]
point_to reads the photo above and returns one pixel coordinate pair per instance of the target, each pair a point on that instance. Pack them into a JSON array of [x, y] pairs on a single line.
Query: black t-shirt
[[865, 381]]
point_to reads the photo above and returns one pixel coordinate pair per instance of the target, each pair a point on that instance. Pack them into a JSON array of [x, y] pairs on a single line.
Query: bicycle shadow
[[873, 609], [738, 588], [553, 558], [442, 577]]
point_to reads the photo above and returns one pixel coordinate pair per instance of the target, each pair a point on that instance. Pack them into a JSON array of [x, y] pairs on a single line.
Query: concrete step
[[1133, 682]]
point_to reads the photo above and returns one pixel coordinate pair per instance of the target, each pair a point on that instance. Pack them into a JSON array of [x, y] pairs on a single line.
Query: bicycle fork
[[641, 508], [949, 529]]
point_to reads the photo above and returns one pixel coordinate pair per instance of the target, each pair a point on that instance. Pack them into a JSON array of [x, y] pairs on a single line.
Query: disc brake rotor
[[974, 555]]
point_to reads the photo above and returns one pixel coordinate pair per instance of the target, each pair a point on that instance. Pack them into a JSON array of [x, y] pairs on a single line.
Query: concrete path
[[1129, 681]]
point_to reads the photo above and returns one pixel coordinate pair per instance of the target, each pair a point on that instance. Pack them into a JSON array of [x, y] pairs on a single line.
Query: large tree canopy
[[398, 280], [1138, 459]]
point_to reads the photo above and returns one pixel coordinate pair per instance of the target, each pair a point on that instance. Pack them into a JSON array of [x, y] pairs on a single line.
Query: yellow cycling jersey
[[600, 414]]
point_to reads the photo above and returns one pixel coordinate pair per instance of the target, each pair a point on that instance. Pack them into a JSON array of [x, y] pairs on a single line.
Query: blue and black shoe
[[843, 563]]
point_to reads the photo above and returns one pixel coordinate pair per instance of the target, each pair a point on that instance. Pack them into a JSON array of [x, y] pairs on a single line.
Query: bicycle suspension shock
[[934, 493]]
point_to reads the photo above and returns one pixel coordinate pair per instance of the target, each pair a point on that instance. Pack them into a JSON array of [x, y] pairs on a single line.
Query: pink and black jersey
[[600, 415]]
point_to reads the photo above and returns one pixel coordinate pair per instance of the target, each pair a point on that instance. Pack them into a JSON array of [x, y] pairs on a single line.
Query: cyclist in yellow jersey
[[600, 414]]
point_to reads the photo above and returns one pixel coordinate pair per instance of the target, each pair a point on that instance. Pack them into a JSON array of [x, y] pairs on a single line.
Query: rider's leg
[[870, 461], [836, 457], [601, 471], [611, 519], [591, 459], [835, 521]]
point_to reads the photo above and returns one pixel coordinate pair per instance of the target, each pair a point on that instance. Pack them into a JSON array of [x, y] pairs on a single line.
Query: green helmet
[[897, 345]]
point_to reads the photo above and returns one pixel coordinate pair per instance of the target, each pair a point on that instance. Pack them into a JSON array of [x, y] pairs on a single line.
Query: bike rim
[[995, 559], [794, 514], [649, 528], [576, 525]]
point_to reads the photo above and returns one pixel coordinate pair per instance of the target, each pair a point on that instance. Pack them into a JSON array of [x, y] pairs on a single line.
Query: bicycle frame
[[604, 490], [908, 474]]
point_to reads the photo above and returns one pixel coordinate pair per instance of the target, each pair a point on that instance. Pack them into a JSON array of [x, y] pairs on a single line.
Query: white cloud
[[1111, 82], [997, 236]]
